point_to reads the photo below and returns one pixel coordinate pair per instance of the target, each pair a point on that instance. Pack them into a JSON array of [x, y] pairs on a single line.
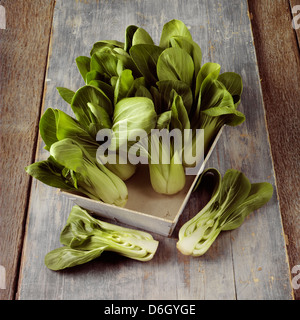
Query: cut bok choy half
[[233, 199], [86, 238]]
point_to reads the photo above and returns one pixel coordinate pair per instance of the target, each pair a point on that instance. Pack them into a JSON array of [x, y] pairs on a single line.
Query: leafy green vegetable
[[218, 98], [66, 94], [171, 29], [145, 57], [56, 125], [190, 47], [92, 109], [185, 94], [50, 173], [175, 64], [136, 86], [85, 238], [167, 178], [83, 64], [128, 122], [92, 177], [141, 36], [233, 199]]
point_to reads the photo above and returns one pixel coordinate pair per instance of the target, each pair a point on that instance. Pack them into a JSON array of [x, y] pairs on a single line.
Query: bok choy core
[[233, 199], [85, 238]]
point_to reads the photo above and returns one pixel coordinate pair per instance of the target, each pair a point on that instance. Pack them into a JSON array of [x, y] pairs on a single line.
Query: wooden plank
[[247, 263], [279, 65], [23, 63]]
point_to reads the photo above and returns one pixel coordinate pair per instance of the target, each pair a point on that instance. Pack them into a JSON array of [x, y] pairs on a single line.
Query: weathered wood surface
[[279, 65], [248, 263], [23, 57]]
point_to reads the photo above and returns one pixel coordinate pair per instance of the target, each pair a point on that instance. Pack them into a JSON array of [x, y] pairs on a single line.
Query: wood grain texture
[[279, 65], [23, 52], [248, 263]]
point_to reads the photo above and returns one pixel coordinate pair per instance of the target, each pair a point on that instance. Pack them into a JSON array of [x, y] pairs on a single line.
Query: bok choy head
[[94, 179], [186, 94]]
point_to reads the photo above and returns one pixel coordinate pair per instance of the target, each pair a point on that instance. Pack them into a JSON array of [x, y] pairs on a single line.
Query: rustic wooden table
[[37, 51]]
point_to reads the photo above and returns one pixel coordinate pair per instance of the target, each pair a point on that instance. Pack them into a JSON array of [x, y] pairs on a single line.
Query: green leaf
[[56, 125], [145, 56], [83, 64], [180, 118], [168, 87], [47, 172], [190, 47], [158, 100], [234, 190], [69, 154], [258, 196], [171, 29], [48, 127], [66, 257], [141, 36], [86, 116], [129, 33], [206, 75], [234, 85], [175, 64], [164, 120], [66, 94], [208, 91], [107, 89], [125, 62], [142, 92], [234, 117], [103, 118], [123, 85], [135, 113], [102, 46], [93, 75], [105, 64]]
